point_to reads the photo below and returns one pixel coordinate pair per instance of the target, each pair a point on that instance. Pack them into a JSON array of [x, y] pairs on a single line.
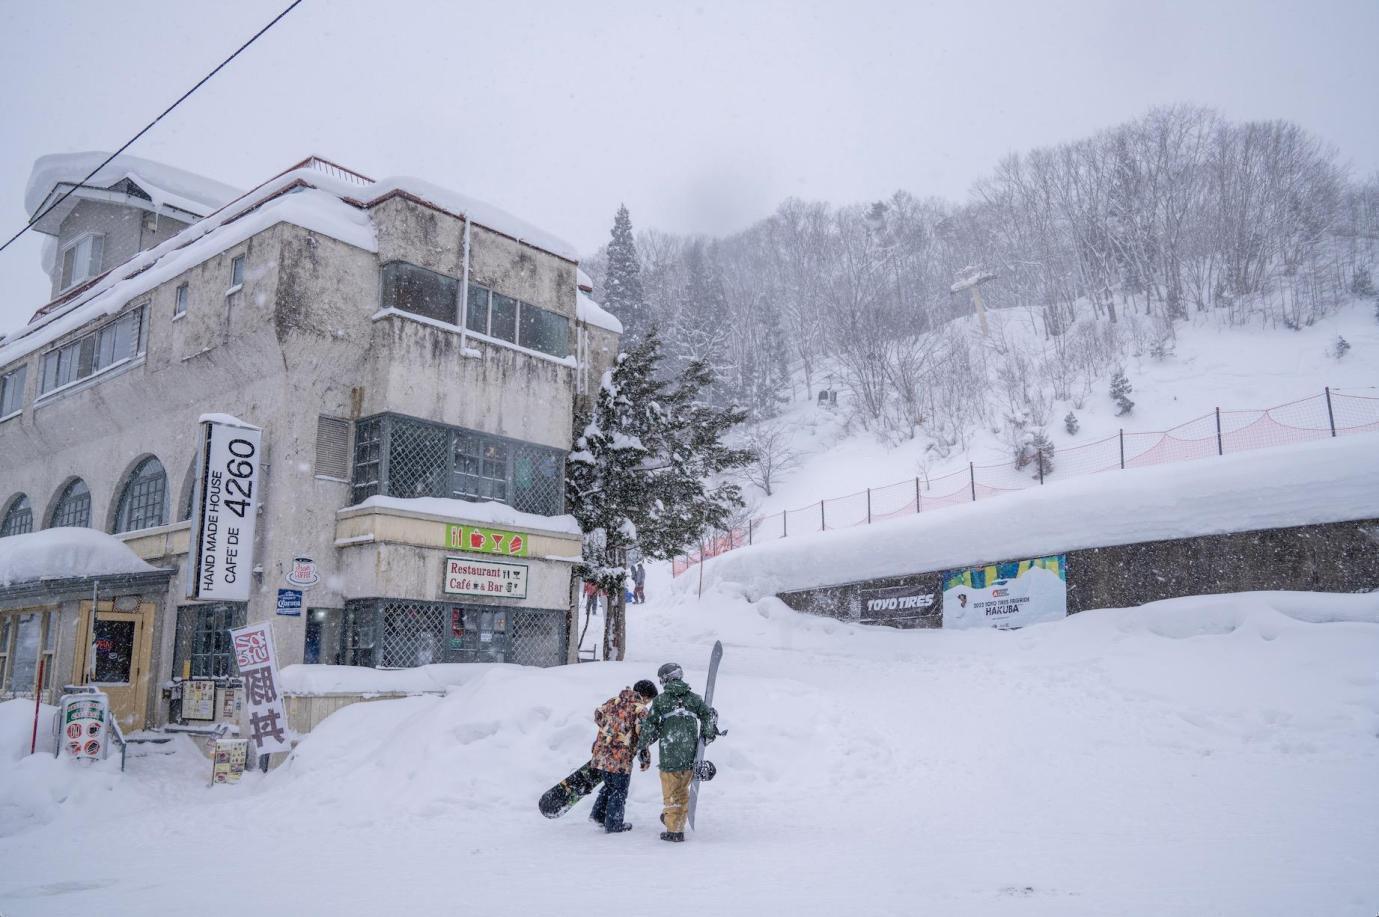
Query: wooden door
[[114, 654]]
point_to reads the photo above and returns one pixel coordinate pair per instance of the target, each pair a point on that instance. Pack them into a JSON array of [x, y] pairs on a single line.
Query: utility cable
[[293, 5]]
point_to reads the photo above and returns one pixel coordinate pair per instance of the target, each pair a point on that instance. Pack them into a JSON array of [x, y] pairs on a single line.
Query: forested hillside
[[1104, 247]]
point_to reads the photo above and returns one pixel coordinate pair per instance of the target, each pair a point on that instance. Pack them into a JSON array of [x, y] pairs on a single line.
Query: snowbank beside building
[[1331, 480]]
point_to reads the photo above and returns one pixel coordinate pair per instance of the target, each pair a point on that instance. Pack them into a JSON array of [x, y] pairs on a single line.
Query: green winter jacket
[[678, 718]]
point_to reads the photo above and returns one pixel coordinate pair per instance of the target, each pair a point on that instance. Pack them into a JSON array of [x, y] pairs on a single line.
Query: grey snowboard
[[699, 750]]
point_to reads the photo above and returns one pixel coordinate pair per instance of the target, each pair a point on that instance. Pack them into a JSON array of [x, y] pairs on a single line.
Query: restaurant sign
[[480, 576]]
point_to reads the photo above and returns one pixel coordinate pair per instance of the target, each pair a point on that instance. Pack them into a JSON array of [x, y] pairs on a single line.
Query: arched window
[[188, 493], [19, 519], [73, 508], [144, 499]]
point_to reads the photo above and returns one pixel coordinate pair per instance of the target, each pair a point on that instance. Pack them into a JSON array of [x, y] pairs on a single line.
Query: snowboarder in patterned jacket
[[619, 720], [678, 719]]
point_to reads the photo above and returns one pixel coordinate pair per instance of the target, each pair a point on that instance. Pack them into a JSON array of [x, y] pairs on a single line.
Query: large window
[[111, 344], [24, 640], [203, 639], [73, 507], [419, 291], [497, 316], [12, 390], [394, 633], [144, 499], [404, 457], [19, 517], [82, 259]]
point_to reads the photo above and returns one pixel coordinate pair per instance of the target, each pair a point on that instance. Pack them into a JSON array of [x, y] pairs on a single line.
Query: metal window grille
[[19, 518], [204, 637], [413, 634], [143, 503], [358, 633], [368, 455], [405, 457], [332, 446], [418, 459], [73, 507], [537, 638]]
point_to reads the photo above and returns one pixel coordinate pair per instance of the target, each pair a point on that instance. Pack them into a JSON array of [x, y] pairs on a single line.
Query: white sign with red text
[[258, 666]]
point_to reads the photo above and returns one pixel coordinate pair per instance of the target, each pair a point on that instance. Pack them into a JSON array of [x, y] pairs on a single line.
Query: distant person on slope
[[619, 720], [639, 582], [678, 718]]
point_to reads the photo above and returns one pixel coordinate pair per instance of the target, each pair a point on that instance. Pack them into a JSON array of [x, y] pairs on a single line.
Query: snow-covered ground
[[1210, 366], [1201, 756]]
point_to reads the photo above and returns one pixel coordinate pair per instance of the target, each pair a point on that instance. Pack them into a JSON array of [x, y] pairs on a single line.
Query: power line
[[293, 5]]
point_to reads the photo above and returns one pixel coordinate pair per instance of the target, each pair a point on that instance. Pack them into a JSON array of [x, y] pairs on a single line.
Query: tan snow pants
[[675, 792]]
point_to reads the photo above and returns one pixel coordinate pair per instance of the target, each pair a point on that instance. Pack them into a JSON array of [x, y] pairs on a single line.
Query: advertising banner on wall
[[899, 603], [258, 666], [224, 510], [493, 578], [1007, 595]]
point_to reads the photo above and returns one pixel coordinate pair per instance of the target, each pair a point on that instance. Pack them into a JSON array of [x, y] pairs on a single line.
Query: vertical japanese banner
[[258, 666]]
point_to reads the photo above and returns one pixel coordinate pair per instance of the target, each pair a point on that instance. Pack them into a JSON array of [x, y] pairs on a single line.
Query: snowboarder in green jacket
[[678, 719]]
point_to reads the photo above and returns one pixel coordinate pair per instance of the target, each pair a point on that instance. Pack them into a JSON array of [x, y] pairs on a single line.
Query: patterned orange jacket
[[619, 720]]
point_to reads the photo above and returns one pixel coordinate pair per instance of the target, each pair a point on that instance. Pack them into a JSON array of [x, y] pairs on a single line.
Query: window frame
[[203, 639], [12, 385], [13, 507], [79, 359], [180, 298], [521, 308], [62, 499], [86, 238], [236, 273], [386, 285], [137, 478]]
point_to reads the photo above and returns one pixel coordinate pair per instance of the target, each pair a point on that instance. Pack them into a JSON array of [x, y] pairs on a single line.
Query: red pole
[[38, 702]]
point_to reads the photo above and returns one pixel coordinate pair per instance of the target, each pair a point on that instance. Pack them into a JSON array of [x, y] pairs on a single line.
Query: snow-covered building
[[412, 357]]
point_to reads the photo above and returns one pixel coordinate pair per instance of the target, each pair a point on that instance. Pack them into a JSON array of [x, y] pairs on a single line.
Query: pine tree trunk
[[615, 627]]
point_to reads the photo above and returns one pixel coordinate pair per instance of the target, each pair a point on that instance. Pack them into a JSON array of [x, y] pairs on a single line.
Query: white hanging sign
[[225, 510]]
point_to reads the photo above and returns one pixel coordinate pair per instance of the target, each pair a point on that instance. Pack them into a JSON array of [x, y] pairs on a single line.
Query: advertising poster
[[83, 726], [224, 512], [198, 700], [899, 604], [1007, 595], [228, 759]]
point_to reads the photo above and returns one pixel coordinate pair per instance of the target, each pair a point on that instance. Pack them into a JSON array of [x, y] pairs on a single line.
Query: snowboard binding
[[705, 770]]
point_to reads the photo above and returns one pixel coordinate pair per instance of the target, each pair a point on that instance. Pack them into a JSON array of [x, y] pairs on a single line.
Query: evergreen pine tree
[[640, 470], [623, 293], [1070, 423], [1120, 391]]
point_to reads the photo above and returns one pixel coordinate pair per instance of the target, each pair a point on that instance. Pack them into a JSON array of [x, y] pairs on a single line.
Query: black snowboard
[[562, 797]]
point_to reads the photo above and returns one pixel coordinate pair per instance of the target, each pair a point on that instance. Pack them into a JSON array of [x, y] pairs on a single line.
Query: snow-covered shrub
[[1340, 348], [1036, 449], [1070, 423], [1120, 391], [1361, 284]]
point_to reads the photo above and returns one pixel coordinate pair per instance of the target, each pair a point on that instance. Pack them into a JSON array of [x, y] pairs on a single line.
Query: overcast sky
[[702, 117]]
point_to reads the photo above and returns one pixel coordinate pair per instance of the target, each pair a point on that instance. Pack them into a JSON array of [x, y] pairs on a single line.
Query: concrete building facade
[[412, 358]]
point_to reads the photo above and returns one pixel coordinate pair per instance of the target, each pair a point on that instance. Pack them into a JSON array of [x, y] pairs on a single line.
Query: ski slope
[[1202, 756]]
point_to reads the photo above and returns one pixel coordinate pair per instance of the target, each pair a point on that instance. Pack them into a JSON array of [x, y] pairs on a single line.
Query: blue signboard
[[290, 602]]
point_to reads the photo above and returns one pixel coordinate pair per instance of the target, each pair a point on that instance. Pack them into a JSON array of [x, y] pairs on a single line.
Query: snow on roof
[[583, 281], [488, 512], [1331, 480], [65, 552], [478, 211], [165, 184], [586, 310], [311, 209]]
